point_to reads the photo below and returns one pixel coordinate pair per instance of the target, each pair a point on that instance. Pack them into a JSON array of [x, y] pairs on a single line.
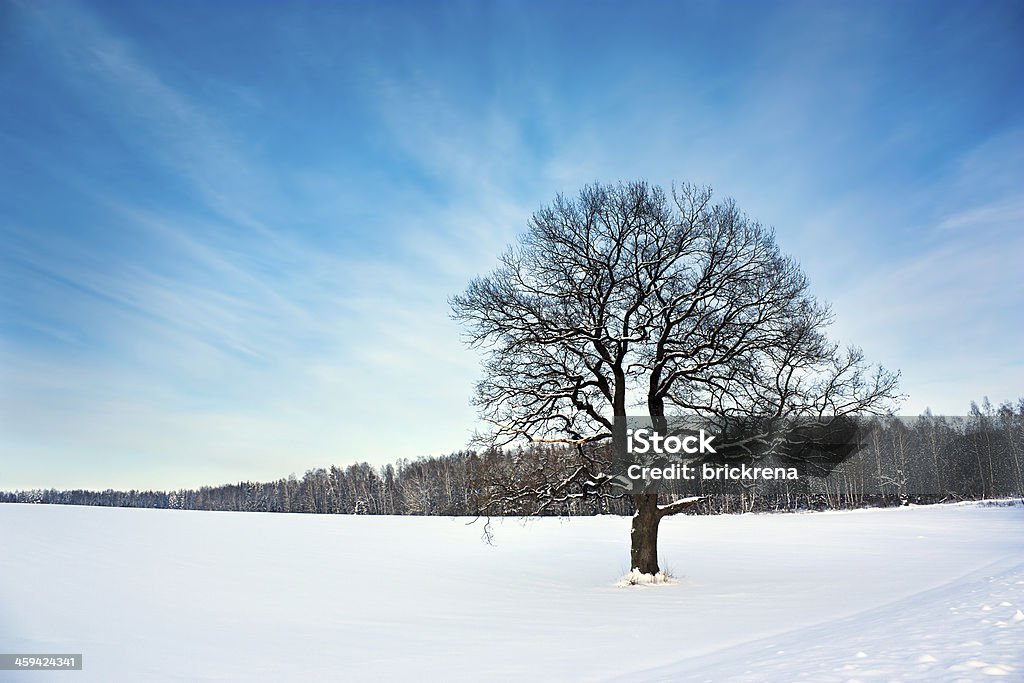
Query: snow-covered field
[[932, 594]]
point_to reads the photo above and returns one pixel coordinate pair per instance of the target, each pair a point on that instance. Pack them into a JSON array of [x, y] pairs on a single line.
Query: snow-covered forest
[[933, 460]]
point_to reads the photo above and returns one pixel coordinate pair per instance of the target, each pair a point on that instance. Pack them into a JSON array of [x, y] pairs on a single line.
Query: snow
[[161, 595], [635, 577]]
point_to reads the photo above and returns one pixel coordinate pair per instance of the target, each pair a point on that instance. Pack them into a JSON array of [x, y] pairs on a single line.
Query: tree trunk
[[644, 536]]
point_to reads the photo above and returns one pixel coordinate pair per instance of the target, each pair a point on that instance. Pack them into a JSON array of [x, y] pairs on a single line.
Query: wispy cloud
[[948, 309], [229, 342], [253, 284]]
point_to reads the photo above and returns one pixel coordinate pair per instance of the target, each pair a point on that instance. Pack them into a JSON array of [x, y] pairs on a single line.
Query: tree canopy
[[628, 299]]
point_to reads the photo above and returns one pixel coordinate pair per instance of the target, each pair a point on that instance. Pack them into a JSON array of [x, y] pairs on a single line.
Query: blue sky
[[229, 230]]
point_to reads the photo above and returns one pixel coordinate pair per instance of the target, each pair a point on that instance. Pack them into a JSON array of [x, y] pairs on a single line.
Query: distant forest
[[931, 460]]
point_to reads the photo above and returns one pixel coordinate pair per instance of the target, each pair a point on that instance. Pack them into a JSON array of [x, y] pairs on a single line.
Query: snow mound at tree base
[[637, 578]]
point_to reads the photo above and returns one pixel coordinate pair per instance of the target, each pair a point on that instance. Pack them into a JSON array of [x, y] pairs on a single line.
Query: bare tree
[[628, 297]]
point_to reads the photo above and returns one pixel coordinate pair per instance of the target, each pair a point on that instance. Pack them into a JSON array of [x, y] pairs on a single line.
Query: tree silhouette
[[627, 298]]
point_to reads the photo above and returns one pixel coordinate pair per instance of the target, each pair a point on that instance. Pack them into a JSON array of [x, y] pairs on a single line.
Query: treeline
[[921, 460], [925, 460], [427, 486]]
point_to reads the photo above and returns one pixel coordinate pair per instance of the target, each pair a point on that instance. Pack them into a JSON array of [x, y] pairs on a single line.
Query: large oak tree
[[627, 299]]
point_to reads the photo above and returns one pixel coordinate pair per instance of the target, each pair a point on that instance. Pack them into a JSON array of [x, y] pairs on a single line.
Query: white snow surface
[[921, 593]]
